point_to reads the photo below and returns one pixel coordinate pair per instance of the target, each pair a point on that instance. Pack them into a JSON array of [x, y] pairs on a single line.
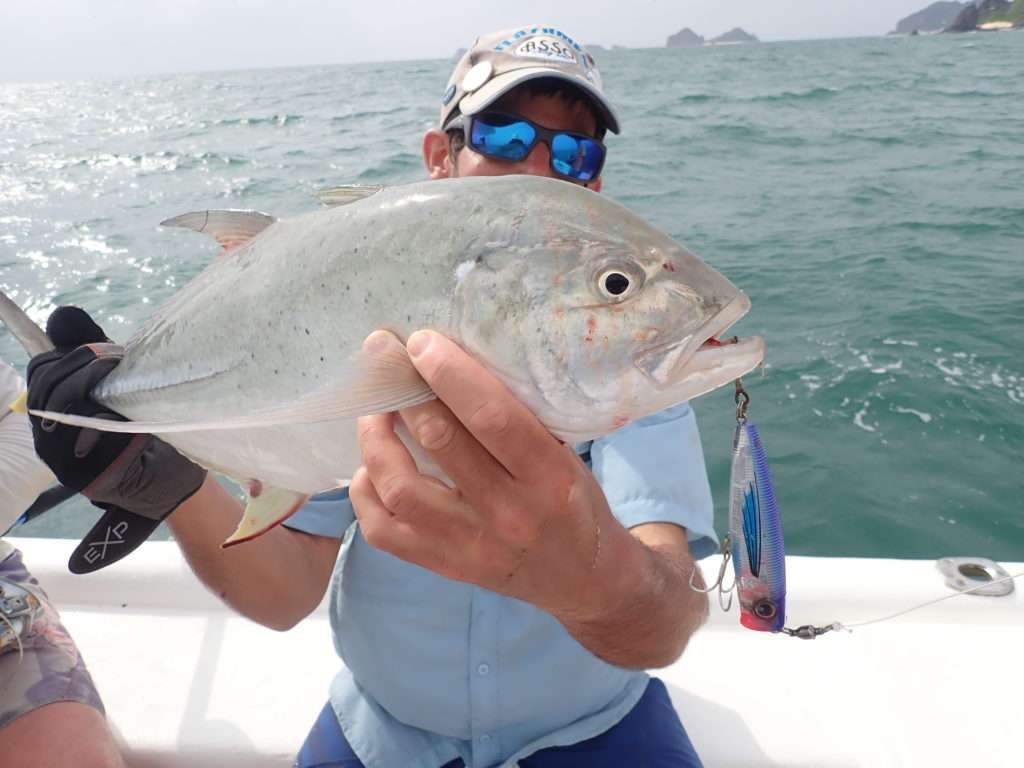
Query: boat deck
[[187, 683]]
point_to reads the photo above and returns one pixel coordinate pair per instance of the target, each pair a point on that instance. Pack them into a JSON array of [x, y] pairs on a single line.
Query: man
[[507, 618], [50, 713]]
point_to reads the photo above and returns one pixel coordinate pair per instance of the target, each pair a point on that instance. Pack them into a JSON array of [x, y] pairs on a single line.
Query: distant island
[[684, 38], [687, 38], [734, 35], [977, 15]]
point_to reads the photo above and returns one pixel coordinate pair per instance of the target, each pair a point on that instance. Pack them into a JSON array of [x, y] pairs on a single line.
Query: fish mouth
[[700, 362]]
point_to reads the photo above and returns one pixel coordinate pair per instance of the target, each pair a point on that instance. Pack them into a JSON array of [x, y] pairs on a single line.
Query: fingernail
[[376, 341], [418, 343]]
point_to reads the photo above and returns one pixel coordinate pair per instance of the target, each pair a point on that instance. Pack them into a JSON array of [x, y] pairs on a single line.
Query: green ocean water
[[867, 194]]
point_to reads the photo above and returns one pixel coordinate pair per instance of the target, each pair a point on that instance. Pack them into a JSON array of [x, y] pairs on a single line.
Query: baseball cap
[[499, 61]]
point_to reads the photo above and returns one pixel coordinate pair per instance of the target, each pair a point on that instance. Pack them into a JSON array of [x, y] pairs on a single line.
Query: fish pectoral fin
[[231, 228], [345, 194], [264, 511]]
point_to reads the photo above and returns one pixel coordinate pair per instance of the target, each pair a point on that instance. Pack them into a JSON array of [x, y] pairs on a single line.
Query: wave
[[819, 93], [278, 120], [696, 98]]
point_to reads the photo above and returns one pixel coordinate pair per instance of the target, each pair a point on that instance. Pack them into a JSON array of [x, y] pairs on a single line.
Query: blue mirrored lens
[[576, 156], [509, 142]]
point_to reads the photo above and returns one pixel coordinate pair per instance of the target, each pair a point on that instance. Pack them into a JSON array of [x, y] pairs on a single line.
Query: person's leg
[[650, 736], [50, 713], [65, 734]]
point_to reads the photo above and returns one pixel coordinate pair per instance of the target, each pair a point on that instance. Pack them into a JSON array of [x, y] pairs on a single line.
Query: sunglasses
[[575, 156]]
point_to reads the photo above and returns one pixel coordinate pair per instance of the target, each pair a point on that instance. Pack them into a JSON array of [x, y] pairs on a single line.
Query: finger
[[391, 534], [379, 526], [403, 490], [385, 457], [502, 424], [455, 450]]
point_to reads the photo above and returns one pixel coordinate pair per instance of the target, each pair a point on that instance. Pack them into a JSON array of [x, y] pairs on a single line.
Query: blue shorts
[[650, 735]]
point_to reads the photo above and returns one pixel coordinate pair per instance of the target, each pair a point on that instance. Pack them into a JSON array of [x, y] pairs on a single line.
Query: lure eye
[[764, 609]]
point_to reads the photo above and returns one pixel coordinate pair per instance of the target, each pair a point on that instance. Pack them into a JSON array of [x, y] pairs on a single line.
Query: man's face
[[549, 111]]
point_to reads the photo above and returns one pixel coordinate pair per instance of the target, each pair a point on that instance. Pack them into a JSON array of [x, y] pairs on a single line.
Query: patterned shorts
[[51, 669]]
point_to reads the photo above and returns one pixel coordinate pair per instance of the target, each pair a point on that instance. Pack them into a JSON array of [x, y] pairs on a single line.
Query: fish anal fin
[[231, 228], [332, 197], [269, 508]]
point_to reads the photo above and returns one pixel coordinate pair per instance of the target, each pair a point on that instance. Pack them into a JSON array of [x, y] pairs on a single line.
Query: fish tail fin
[[31, 336]]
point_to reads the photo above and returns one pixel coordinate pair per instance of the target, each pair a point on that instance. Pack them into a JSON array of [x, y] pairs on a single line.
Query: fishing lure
[[755, 529], [755, 544]]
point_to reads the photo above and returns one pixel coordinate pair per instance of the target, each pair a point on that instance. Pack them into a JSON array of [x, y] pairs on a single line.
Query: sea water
[[867, 194]]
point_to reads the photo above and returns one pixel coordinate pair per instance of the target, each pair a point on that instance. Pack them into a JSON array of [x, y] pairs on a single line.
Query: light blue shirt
[[437, 669]]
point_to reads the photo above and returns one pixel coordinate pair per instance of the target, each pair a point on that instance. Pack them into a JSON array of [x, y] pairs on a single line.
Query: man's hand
[[136, 474], [525, 516]]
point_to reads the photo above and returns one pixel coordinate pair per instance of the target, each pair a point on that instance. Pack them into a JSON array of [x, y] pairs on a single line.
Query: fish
[[755, 533], [255, 369]]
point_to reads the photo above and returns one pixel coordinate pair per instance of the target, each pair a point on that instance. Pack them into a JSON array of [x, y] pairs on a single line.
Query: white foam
[[925, 417], [859, 420]]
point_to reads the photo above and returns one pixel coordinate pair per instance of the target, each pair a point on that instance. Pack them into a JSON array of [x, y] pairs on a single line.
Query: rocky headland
[[989, 15], [935, 18]]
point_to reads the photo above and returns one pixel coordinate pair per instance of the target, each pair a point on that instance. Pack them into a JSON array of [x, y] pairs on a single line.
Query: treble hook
[[717, 584]]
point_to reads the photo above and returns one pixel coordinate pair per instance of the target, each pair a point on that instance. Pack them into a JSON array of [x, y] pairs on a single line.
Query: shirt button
[[483, 669], [485, 738]]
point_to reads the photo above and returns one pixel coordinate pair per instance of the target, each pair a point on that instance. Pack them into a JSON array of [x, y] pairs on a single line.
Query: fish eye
[[614, 283], [764, 609]]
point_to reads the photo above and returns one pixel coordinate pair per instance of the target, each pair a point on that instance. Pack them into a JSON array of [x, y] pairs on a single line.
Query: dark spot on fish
[[275, 371], [321, 358], [307, 331], [348, 287]]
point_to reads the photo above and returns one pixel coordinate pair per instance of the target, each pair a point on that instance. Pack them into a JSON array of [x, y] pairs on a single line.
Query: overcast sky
[[45, 39]]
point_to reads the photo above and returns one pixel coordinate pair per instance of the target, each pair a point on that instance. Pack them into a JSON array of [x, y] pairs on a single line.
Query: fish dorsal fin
[[347, 193], [231, 228]]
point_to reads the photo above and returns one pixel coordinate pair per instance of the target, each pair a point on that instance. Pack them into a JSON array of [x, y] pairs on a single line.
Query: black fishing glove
[[137, 479]]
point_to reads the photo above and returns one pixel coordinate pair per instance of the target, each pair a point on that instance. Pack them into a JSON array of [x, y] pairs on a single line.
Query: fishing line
[[849, 627]]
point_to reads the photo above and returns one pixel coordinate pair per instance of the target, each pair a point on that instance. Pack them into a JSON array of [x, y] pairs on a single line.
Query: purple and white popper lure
[[755, 532]]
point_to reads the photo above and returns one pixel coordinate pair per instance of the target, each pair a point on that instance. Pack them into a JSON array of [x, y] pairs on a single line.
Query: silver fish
[[590, 316]]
